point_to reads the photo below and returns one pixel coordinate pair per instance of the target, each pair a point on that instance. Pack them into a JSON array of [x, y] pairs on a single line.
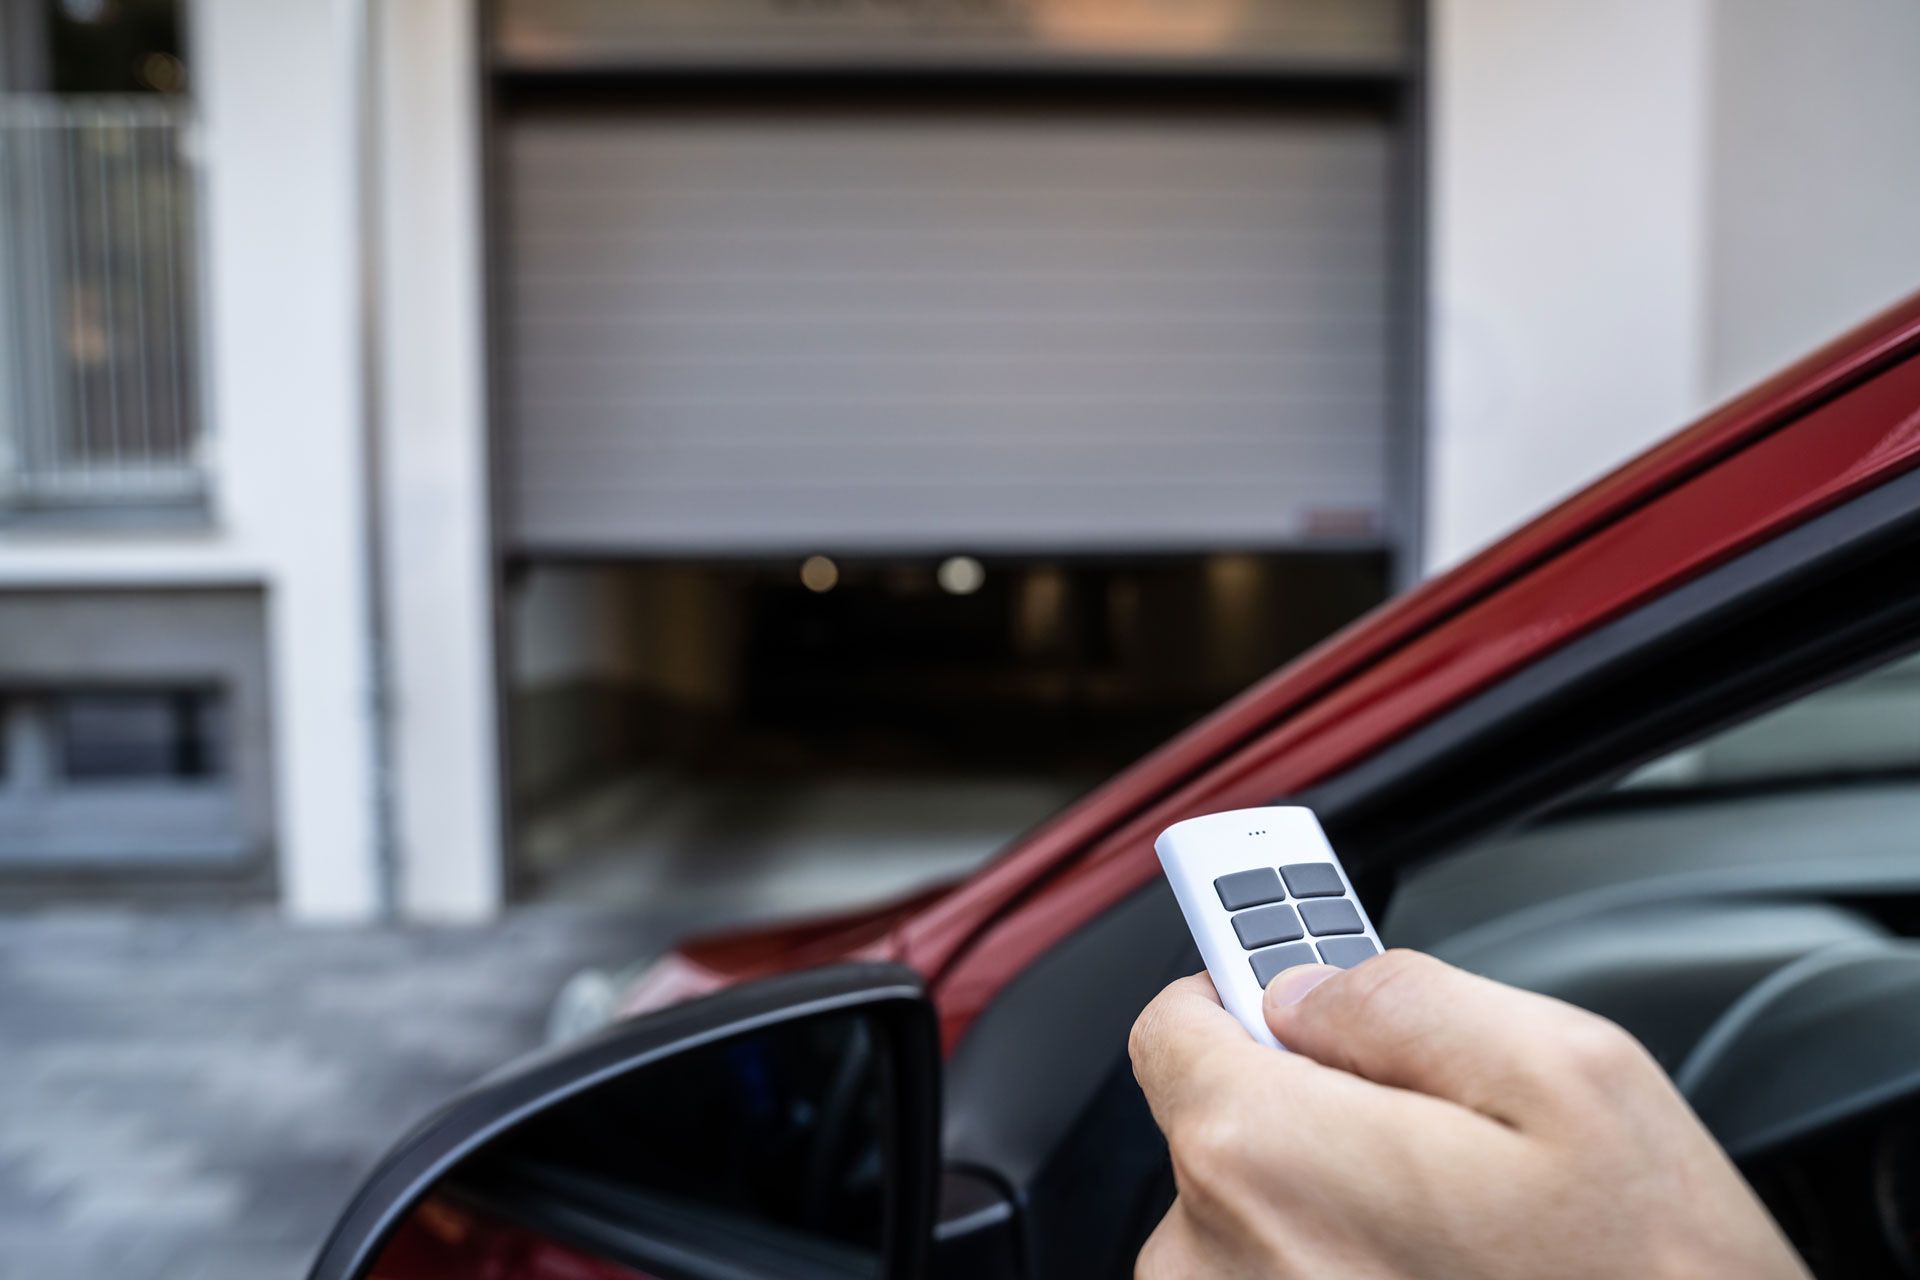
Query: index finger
[[1205, 1077], [1184, 1045]]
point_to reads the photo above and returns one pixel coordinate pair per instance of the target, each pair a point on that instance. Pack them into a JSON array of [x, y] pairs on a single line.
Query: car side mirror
[[787, 1128]]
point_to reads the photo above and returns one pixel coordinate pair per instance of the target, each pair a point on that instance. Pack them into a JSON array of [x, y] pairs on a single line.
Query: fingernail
[[1290, 986]]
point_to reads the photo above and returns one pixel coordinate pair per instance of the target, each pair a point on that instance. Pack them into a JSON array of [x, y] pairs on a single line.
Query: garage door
[[1072, 325]]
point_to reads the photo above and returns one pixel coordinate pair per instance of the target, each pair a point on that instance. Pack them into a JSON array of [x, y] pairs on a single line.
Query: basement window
[[145, 735]]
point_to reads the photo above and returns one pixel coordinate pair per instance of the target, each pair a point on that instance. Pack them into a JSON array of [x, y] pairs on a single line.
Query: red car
[[1658, 753]]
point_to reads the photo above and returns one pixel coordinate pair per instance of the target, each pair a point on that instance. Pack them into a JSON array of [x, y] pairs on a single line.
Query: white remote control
[[1262, 891]]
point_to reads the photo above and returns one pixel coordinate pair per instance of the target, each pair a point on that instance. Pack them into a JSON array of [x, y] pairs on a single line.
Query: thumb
[[1409, 1021]]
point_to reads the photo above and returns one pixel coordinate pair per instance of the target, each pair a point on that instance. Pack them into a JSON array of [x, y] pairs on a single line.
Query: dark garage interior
[[939, 705]]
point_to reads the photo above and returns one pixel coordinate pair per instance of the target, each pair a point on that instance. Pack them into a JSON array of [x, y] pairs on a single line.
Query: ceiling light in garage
[[960, 575], [818, 573]]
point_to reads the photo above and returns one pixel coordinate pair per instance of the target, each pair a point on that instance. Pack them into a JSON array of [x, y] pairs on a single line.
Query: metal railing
[[99, 317]]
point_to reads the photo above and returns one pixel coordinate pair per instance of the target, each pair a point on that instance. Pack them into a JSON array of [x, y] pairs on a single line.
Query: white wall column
[[438, 569], [283, 398], [1567, 259]]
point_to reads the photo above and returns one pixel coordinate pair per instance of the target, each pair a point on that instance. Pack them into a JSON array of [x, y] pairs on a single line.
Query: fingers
[[1412, 1022], [1181, 1249], [1170, 1253], [1184, 1047], [1252, 1132], [1290, 986], [1195, 1064]]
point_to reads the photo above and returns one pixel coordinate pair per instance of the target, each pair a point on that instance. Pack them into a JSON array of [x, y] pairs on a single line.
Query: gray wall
[[86, 639], [607, 660]]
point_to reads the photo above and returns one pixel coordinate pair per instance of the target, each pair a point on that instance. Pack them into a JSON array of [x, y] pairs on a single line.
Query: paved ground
[[756, 848], [192, 1096]]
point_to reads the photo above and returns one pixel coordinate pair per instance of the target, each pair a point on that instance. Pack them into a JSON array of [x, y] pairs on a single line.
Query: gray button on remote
[[1249, 888], [1346, 952], [1267, 926], [1313, 880], [1268, 963], [1337, 915]]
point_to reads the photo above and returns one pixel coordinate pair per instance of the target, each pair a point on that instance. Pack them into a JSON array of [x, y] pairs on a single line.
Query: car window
[[1816, 799], [1861, 729]]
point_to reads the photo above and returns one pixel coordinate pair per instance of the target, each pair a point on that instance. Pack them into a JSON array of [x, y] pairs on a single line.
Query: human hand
[[1430, 1123]]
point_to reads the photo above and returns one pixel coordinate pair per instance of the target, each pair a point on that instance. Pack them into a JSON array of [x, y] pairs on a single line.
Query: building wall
[[275, 88], [1638, 209], [282, 403], [285, 376], [1567, 278], [432, 423], [571, 682], [218, 829], [1814, 152], [608, 659]]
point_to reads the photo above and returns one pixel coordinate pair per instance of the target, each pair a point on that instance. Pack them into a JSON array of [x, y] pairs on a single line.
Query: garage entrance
[[886, 455], [764, 734]]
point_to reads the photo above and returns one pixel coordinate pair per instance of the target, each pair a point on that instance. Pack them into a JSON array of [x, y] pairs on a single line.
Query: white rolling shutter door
[[923, 329]]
